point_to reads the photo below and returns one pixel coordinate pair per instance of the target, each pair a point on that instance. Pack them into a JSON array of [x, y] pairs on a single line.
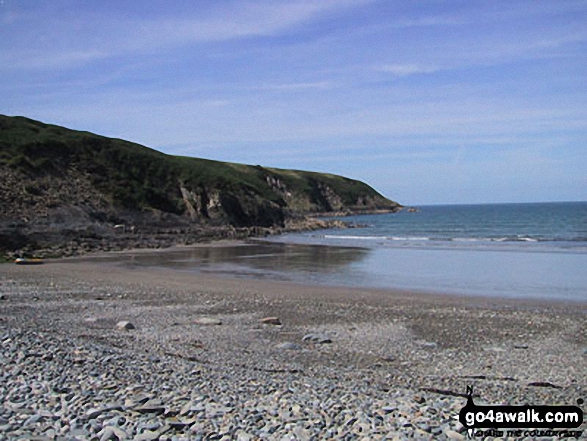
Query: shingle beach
[[91, 350]]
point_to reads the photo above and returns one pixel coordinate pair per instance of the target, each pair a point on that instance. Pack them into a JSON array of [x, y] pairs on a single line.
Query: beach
[[200, 362]]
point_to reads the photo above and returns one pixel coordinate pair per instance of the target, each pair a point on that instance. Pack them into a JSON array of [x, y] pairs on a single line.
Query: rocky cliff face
[[59, 185]]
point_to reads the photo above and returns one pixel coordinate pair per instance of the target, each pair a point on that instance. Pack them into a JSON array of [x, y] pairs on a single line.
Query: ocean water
[[538, 227], [528, 251], [498, 250]]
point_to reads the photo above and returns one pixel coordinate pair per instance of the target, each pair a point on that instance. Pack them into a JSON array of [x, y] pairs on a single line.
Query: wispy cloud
[[432, 20], [30, 59], [402, 70], [295, 86], [86, 37]]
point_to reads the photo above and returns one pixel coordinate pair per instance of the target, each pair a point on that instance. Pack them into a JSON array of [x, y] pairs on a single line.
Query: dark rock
[[317, 338]]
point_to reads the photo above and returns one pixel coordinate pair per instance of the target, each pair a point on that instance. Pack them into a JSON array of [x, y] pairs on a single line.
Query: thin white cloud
[[79, 38], [296, 86], [437, 20], [402, 70], [55, 60], [487, 52]]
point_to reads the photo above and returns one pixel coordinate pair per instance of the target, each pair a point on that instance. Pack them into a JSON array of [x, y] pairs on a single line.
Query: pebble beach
[[93, 351]]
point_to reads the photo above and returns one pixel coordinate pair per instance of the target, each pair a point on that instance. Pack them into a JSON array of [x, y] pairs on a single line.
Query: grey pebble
[[125, 325], [147, 435], [206, 321], [289, 346], [112, 434]]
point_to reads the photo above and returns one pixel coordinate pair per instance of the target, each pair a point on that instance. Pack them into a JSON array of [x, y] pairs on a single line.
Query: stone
[[51, 434], [147, 435], [244, 436], [115, 421], [95, 413], [150, 408], [451, 434], [214, 410], [494, 349], [110, 433], [521, 346], [317, 338], [137, 400], [419, 399], [151, 426], [271, 321], [125, 325], [289, 346], [206, 321], [428, 344], [178, 424]]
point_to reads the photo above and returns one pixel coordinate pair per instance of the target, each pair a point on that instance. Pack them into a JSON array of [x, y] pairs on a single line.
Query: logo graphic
[[474, 417]]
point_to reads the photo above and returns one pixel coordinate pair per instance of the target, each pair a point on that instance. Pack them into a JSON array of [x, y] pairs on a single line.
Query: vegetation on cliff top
[[134, 177]]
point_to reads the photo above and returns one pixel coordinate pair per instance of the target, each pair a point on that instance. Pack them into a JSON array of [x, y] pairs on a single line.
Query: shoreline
[[329, 273], [90, 262], [398, 362], [41, 240]]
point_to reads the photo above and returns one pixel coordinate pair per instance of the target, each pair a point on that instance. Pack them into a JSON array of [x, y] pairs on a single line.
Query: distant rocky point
[[65, 192]]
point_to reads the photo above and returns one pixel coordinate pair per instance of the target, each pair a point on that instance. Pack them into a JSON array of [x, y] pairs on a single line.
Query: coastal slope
[[75, 191]]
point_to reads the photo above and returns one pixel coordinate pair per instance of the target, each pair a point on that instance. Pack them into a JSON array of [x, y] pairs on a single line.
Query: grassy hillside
[[132, 177]]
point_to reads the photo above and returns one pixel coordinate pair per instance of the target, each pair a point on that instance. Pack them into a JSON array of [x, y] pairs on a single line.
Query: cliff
[[59, 185]]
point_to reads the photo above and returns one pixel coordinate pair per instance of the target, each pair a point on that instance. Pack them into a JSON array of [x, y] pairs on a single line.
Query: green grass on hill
[[137, 177]]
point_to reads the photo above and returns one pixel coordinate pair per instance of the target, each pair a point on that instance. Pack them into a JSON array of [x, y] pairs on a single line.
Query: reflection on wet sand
[[557, 276], [257, 260]]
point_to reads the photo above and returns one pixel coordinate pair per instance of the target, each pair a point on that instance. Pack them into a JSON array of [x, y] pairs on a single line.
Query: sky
[[429, 102]]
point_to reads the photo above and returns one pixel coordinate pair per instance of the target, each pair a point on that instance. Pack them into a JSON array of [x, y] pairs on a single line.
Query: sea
[[523, 251]]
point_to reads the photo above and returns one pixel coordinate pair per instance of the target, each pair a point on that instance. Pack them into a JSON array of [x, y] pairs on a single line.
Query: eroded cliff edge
[[64, 191]]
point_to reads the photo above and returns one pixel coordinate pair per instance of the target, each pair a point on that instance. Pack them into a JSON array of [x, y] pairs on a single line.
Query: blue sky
[[427, 101]]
